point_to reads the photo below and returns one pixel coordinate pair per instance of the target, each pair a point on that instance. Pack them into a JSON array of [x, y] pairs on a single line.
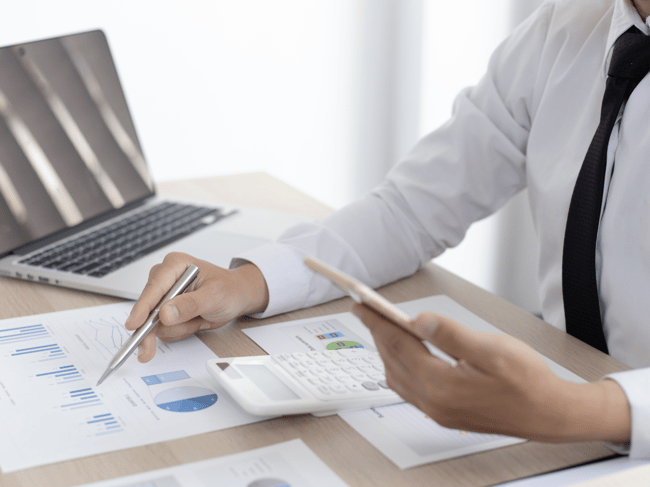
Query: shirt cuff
[[636, 385], [284, 272]]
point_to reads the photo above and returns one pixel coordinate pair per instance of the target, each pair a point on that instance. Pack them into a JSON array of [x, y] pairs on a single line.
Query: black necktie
[[629, 64]]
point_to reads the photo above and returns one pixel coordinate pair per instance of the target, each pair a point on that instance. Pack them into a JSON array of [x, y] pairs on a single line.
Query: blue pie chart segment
[[185, 399]]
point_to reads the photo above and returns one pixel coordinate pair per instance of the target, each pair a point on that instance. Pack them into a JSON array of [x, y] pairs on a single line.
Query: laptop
[[78, 206]]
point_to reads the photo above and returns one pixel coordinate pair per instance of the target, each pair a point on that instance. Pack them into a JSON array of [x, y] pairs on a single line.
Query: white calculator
[[321, 383]]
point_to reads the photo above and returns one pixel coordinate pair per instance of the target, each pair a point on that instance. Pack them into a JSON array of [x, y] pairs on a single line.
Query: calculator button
[[371, 359], [376, 377], [366, 369], [308, 364], [371, 386], [354, 387], [335, 371], [340, 362], [319, 373], [330, 354], [384, 384], [314, 355], [379, 368], [298, 356], [324, 390], [345, 379], [356, 361], [359, 377], [338, 388], [352, 352], [350, 369]]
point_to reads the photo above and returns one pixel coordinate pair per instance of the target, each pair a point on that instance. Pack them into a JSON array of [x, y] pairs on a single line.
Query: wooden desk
[[338, 445]]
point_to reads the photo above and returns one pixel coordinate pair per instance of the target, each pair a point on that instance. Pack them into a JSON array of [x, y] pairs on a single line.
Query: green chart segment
[[343, 344]]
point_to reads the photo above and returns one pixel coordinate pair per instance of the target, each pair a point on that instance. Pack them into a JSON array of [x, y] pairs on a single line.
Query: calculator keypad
[[331, 374]]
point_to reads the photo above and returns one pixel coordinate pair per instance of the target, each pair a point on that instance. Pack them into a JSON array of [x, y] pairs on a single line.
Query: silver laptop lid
[[69, 152]]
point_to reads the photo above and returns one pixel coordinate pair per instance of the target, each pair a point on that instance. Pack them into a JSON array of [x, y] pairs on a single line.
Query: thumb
[[451, 337], [180, 309]]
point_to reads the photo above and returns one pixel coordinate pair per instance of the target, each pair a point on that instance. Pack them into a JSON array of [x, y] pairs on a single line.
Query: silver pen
[[129, 347]]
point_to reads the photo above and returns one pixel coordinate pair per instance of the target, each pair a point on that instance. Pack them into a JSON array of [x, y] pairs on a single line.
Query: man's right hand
[[216, 297]]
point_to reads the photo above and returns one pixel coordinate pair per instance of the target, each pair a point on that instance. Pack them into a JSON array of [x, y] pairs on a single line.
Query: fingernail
[[173, 312], [140, 351], [205, 326], [432, 324], [426, 326]]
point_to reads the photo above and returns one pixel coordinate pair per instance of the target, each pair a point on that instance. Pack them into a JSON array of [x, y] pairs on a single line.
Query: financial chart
[[53, 411]]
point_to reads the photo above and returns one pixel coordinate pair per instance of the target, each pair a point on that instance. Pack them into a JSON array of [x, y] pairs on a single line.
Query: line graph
[[106, 334]]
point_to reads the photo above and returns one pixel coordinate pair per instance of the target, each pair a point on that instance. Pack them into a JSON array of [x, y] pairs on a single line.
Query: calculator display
[[268, 382]]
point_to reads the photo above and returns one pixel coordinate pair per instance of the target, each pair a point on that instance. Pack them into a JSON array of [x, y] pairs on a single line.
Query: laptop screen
[[68, 147]]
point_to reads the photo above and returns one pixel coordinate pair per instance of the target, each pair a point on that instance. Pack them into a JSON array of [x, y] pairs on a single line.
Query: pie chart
[[185, 399]]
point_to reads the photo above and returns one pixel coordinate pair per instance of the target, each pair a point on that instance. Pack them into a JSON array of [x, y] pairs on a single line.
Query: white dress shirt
[[527, 123]]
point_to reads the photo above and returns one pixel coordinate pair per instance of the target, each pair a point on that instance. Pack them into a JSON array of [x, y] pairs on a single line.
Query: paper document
[[633, 477], [51, 410], [401, 432], [408, 437], [618, 471], [289, 464]]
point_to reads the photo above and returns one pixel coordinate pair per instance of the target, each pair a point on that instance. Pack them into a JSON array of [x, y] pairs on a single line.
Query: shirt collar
[[625, 16]]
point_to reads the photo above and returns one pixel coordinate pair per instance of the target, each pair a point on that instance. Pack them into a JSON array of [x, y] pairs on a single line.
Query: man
[[528, 123]]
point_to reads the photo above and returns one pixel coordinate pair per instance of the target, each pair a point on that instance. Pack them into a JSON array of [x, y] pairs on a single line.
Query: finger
[[410, 368], [397, 346], [147, 348], [140, 310], [182, 330], [161, 279], [477, 348], [183, 308], [377, 324]]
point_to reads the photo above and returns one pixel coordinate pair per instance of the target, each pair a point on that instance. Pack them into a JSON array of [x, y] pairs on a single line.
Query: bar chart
[[42, 353], [79, 399], [22, 334], [104, 424], [51, 409], [62, 375]]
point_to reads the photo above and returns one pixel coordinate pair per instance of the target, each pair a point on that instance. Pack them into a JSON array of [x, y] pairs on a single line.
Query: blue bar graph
[[81, 398], [41, 353], [104, 424], [151, 380], [23, 333], [62, 375], [81, 394]]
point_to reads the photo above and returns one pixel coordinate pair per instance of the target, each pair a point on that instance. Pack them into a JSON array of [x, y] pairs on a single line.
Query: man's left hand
[[500, 385]]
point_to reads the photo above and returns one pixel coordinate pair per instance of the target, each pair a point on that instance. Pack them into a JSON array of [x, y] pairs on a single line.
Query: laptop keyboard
[[109, 248]]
